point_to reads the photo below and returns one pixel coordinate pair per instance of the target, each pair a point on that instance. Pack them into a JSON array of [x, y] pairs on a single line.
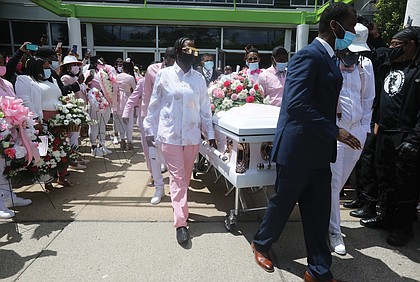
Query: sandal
[[65, 183]]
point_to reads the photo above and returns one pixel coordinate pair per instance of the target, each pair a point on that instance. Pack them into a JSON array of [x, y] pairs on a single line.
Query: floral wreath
[[108, 82], [71, 112]]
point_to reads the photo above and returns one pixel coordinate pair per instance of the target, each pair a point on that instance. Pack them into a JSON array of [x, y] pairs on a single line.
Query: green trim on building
[[208, 15]]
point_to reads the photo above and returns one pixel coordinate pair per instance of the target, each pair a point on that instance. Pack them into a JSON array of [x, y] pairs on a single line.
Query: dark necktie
[[208, 75]]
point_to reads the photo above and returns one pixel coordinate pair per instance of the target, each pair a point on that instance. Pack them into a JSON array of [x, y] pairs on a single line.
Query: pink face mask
[[2, 70]]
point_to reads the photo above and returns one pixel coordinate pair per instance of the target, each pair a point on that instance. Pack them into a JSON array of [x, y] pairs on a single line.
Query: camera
[[364, 21]]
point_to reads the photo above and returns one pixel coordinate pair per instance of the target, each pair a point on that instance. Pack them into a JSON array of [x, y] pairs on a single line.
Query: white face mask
[[75, 70], [119, 69], [253, 66], [47, 73], [54, 64]]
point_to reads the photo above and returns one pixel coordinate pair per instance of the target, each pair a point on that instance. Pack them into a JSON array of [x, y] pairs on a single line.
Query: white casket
[[244, 138]]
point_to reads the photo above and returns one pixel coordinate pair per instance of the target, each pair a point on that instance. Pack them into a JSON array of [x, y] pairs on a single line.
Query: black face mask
[[187, 60], [350, 59]]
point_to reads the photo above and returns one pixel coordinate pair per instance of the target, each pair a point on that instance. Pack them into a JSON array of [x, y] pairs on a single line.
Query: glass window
[[84, 37], [59, 31], [5, 33], [142, 60], [263, 39], [124, 35], [204, 37], [109, 57], [28, 31]]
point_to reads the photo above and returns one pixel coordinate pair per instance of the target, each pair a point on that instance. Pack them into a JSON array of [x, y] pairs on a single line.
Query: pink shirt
[[68, 79], [126, 84], [134, 100], [6, 88], [149, 82], [272, 82]]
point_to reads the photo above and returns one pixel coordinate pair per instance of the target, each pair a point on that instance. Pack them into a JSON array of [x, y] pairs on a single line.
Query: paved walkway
[[105, 229]]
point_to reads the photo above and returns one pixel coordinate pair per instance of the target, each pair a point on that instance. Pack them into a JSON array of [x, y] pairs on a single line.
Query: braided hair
[[179, 43], [408, 34]]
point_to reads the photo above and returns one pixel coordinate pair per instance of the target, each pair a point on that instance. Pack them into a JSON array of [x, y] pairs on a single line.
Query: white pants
[[341, 170], [98, 130], [125, 131], [153, 165]]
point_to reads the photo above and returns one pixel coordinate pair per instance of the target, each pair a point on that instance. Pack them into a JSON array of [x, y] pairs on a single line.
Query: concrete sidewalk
[[104, 228]]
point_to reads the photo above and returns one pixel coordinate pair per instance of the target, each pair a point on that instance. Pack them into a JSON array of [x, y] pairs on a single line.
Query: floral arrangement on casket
[[72, 113], [233, 91]]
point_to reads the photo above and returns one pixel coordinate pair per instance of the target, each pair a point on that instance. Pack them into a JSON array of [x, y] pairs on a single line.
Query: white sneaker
[[159, 193], [78, 166], [17, 201], [97, 152], [163, 168], [337, 244], [5, 213], [115, 140], [106, 150]]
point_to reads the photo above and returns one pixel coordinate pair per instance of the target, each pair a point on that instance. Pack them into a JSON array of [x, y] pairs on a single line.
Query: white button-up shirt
[[179, 108]]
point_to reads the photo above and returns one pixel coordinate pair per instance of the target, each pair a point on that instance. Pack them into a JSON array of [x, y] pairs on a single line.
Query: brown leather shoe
[[262, 259], [308, 278]]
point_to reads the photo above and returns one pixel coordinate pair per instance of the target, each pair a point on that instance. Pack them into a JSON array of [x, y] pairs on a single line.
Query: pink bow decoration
[[16, 114], [255, 71]]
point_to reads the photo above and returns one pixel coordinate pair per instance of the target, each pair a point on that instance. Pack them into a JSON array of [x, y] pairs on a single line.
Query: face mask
[[54, 64], [209, 65], [350, 59], [253, 66], [47, 73], [119, 69], [343, 43], [281, 66], [2, 70], [187, 60], [75, 70]]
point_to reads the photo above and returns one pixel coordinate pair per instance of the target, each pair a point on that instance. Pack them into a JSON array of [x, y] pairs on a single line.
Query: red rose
[[250, 99], [10, 153], [239, 88], [34, 169], [256, 87], [47, 158], [226, 83], [64, 160]]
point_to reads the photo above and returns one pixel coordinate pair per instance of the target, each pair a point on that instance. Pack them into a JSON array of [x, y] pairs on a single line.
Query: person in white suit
[[354, 113]]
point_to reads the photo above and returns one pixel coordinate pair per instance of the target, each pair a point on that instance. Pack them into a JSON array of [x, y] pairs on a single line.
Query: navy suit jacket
[[306, 129]]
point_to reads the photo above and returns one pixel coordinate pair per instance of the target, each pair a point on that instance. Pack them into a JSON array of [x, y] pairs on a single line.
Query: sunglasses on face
[[191, 51]]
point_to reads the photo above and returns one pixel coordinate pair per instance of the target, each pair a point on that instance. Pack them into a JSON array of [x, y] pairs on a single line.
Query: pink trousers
[[180, 162]]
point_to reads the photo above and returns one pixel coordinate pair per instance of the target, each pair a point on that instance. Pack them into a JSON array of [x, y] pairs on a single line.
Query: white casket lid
[[249, 119]]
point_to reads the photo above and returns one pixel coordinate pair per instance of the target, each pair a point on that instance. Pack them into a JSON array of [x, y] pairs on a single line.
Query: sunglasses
[[191, 51]]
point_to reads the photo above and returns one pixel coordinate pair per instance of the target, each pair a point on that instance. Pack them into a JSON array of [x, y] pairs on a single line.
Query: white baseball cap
[[70, 60], [359, 43]]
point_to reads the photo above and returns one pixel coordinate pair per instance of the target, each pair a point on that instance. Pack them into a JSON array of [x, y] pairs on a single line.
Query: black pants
[[366, 180], [397, 180]]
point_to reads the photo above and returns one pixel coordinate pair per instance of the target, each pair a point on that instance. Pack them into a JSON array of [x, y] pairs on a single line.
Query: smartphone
[[32, 47], [74, 49]]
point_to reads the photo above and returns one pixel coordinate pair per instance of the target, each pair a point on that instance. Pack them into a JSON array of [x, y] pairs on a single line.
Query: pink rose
[[212, 107], [252, 92], [10, 153], [250, 99], [218, 93], [234, 97], [239, 88]]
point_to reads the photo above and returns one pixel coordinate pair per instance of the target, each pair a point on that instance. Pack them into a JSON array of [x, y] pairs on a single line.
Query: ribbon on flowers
[[16, 114]]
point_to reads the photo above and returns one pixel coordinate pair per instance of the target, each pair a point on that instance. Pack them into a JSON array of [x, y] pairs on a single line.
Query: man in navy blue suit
[[305, 143]]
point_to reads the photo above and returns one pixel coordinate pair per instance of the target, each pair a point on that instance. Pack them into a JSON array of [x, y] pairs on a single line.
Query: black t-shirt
[[392, 96]]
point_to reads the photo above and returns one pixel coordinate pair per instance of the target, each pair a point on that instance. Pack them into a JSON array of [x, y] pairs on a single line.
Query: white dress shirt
[[179, 108]]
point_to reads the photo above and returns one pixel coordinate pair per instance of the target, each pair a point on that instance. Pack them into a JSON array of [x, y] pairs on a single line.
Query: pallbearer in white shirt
[[179, 111], [354, 112]]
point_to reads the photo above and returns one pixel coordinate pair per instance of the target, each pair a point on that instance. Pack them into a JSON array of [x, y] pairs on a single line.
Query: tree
[[390, 17]]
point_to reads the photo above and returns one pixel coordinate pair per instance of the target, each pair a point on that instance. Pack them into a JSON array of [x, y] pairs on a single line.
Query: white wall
[[413, 10]]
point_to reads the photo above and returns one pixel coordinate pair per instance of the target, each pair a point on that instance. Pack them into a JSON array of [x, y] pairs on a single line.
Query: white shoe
[[337, 243], [97, 152], [159, 193], [78, 166], [17, 201], [115, 140], [5, 213], [106, 150], [163, 168]]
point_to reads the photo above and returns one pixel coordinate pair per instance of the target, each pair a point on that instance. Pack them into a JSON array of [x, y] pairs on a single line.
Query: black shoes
[[379, 221], [355, 204], [367, 211], [182, 235], [400, 237]]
